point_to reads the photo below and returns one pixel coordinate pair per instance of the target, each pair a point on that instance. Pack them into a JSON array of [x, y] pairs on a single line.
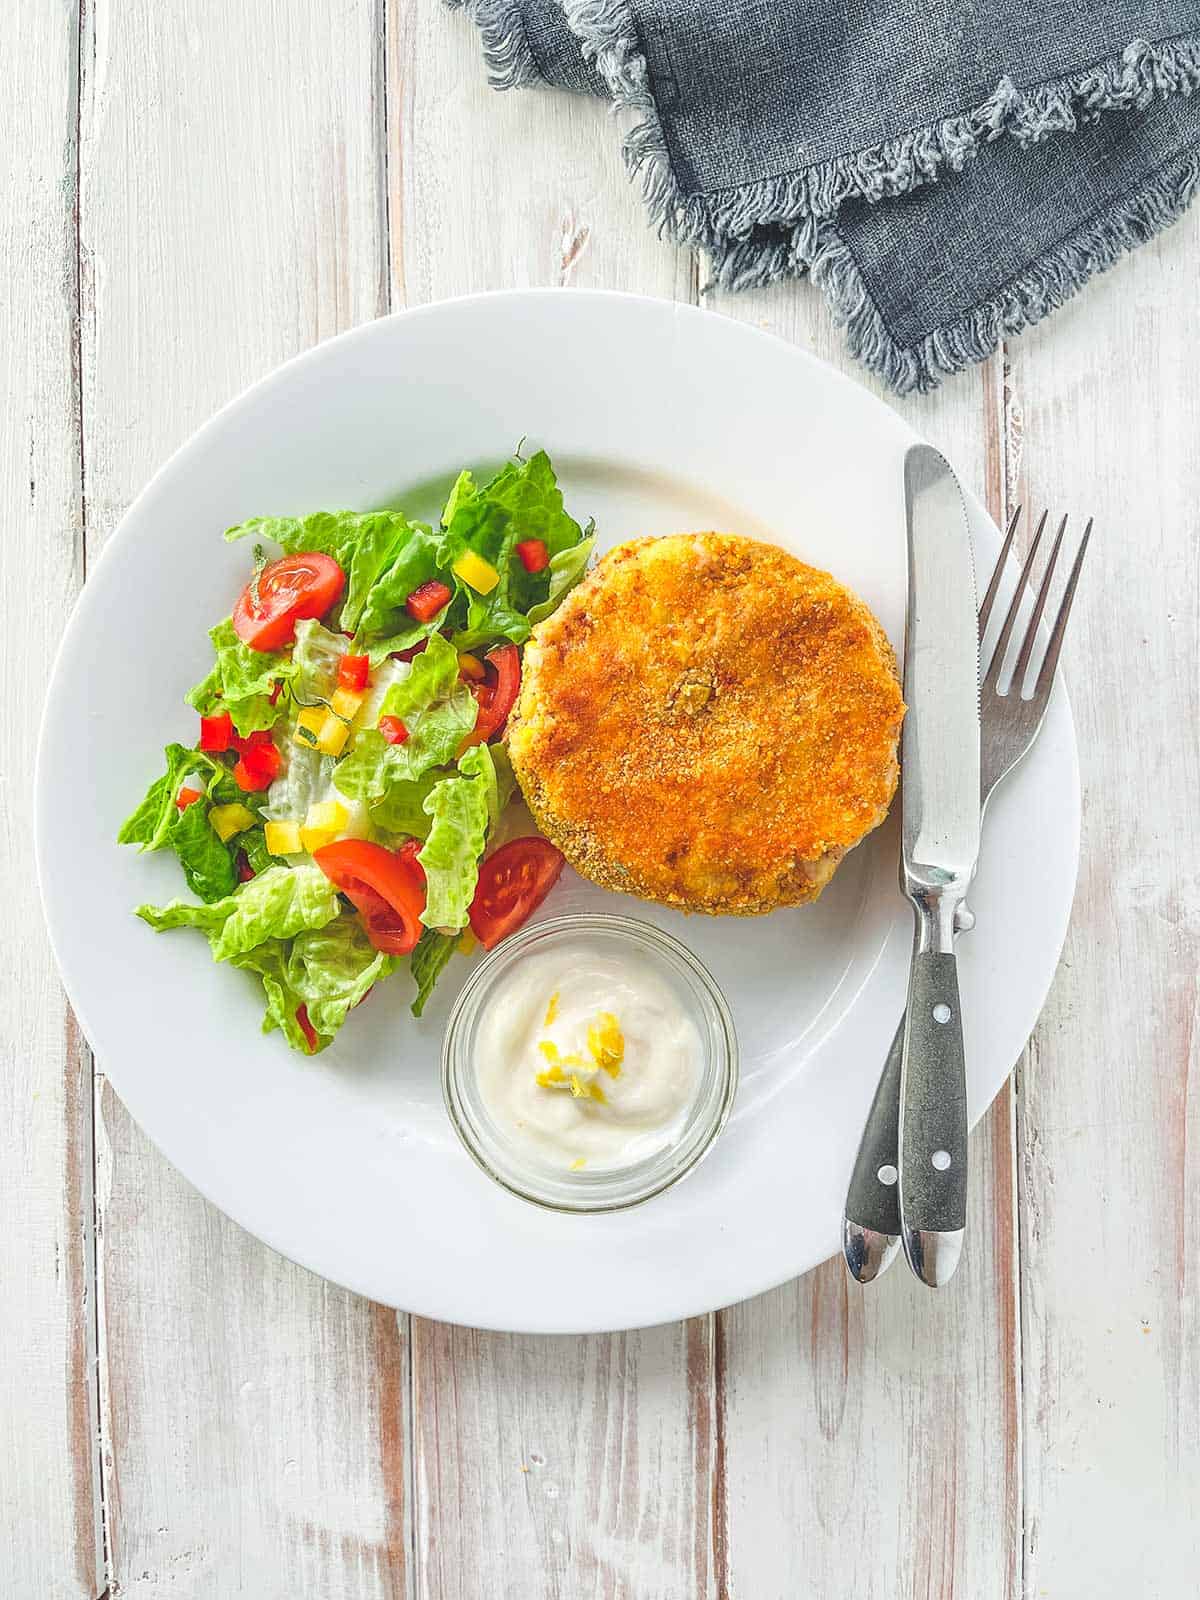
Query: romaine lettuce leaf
[[276, 904], [402, 809], [150, 825], [208, 865], [438, 710], [254, 843], [523, 501], [460, 809], [565, 569], [327, 970], [464, 489], [241, 682], [316, 655], [429, 960], [331, 969]]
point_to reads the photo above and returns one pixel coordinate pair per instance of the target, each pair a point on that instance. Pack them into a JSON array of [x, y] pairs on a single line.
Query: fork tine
[[1045, 676], [989, 599], [1001, 650], [1039, 607]]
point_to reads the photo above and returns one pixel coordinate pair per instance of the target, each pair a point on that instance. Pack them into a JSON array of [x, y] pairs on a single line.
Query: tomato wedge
[[498, 695], [513, 882], [282, 594], [387, 888]]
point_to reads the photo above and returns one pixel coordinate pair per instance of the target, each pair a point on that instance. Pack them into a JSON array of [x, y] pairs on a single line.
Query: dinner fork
[[1010, 721]]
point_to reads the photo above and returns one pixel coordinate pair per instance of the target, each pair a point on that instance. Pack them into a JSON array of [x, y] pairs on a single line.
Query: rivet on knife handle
[[871, 1224], [933, 1121]]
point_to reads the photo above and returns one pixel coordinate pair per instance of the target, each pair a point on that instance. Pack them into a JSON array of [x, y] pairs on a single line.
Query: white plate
[[658, 418]]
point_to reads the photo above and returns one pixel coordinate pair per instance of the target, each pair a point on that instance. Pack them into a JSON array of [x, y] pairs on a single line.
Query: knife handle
[[933, 1120], [871, 1222]]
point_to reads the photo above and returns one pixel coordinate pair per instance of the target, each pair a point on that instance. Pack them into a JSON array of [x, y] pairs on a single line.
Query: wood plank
[[1110, 1096], [842, 1411], [557, 1467], [232, 214], [49, 1481]]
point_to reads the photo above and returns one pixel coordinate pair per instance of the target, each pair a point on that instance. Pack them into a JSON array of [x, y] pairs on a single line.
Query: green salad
[[338, 810]]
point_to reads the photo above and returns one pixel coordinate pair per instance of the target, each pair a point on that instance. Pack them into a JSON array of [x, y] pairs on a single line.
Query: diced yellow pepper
[[467, 943], [475, 572], [230, 819], [308, 726], [313, 838], [345, 702], [283, 838], [329, 815], [471, 667], [333, 735]]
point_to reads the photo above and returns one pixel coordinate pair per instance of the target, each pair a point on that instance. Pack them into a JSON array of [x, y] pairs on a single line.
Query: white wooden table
[[192, 193]]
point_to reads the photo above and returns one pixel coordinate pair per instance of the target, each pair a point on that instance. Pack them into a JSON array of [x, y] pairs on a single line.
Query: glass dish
[[520, 1169]]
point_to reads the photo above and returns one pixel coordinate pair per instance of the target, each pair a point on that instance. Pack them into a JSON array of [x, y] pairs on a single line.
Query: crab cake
[[709, 723]]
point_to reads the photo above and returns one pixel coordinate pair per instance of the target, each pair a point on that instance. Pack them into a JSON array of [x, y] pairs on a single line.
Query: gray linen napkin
[[947, 171]]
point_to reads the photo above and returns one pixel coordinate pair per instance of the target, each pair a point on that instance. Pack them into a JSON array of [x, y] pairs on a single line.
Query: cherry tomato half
[[513, 882], [270, 606], [498, 695], [387, 888]]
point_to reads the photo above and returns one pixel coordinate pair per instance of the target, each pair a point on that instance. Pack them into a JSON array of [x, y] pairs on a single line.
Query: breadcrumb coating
[[709, 723]]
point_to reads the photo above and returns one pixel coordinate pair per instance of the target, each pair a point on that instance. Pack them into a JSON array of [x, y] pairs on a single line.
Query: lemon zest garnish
[[551, 1077], [578, 1164], [579, 1089], [551, 1010], [597, 1093], [606, 1043], [549, 1049]]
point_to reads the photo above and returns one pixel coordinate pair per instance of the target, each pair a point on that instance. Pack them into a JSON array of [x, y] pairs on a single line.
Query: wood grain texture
[[881, 1427], [1110, 1095], [49, 1521], [232, 214], [247, 186], [542, 1467]]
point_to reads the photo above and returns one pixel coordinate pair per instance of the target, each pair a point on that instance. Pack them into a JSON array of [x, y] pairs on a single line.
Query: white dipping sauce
[[644, 1103]]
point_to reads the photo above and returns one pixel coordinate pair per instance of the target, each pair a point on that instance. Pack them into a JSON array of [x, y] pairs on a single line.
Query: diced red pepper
[[427, 599], [258, 767], [534, 555], [307, 1029], [276, 691], [216, 733], [188, 797], [252, 741], [353, 670], [393, 730], [244, 870]]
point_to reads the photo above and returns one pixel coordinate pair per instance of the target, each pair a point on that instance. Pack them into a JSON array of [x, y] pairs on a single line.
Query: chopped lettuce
[[287, 924], [437, 709], [565, 569], [458, 808], [327, 970], [208, 865], [402, 809], [429, 960], [150, 825], [241, 682], [523, 501], [277, 904]]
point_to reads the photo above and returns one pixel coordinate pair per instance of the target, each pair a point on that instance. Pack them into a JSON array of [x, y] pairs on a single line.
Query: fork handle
[[933, 1119], [871, 1223]]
